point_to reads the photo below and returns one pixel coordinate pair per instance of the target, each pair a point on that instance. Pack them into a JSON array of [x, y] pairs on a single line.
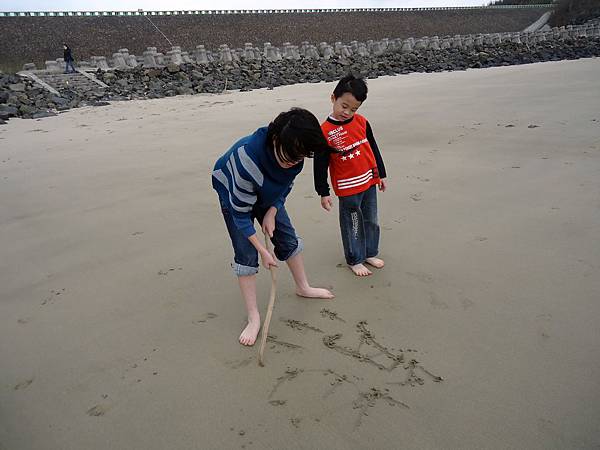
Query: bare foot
[[360, 270], [311, 292], [249, 334], [375, 262]]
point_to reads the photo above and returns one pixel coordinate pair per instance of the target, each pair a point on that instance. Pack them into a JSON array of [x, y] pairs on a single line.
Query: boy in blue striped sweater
[[253, 179]]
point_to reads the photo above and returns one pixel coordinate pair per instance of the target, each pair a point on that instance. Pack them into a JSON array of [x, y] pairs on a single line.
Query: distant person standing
[[68, 57]]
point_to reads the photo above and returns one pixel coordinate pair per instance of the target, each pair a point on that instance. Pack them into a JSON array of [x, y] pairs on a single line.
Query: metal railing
[[252, 11]]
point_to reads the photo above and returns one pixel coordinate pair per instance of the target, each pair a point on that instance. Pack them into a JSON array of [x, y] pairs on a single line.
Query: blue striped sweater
[[248, 175]]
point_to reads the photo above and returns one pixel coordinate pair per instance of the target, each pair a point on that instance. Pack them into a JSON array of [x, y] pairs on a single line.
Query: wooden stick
[[265, 327]]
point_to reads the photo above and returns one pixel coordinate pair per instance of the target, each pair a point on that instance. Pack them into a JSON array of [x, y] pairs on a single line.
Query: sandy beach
[[119, 314]]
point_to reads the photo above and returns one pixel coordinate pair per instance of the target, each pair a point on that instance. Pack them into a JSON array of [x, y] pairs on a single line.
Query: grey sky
[[132, 5]]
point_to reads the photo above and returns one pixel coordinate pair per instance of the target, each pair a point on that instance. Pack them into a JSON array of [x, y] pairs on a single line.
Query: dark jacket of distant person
[[68, 55]]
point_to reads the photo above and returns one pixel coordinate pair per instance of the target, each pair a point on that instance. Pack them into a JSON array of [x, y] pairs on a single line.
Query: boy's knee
[[289, 248]]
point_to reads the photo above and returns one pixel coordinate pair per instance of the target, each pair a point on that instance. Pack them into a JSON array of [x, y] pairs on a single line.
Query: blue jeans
[[71, 65], [359, 226], [285, 241]]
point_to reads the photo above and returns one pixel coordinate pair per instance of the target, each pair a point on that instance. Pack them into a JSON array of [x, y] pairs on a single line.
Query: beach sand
[[119, 314]]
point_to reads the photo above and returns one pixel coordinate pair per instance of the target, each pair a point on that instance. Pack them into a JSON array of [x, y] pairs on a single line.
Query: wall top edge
[[252, 11]]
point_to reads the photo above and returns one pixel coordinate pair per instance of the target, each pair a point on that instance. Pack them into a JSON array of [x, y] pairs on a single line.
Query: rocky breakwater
[[252, 69], [23, 97]]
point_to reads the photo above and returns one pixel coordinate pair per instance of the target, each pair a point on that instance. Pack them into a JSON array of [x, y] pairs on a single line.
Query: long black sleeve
[[376, 152], [320, 167]]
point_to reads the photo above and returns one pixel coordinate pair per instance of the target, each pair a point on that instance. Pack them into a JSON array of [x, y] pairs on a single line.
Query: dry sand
[[119, 315]]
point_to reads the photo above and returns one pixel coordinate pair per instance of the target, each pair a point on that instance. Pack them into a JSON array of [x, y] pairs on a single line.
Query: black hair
[[296, 134], [355, 86]]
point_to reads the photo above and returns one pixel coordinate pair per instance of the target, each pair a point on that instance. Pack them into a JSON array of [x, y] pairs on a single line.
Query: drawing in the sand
[[365, 394]]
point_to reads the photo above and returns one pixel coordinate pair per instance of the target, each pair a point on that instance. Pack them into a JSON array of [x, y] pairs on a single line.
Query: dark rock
[[153, 72], [59, 100], [183, 90], [173, 68], [8, 111], [96, 103], [27, 110], [17, 87]]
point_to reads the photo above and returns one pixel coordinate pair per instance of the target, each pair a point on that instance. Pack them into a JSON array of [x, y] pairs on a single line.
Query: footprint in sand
[[466, 303], [421, 276], [23, 384], [416, 197], [205, 317], [437, 303], [97, 411], [543, 320], [53, 294]]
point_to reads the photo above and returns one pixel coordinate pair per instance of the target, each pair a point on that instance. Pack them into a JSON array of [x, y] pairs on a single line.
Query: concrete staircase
[[54, 82]]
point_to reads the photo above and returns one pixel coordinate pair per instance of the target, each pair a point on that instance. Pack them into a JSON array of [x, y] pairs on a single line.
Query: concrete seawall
[[36, 39]]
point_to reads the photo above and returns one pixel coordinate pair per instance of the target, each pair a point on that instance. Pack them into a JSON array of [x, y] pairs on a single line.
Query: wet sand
[[119, 315]]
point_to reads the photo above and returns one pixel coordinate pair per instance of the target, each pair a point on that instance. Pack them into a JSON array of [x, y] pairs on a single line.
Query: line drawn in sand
[[366, 337], [393, 359], [412, 378], [331, 315], [287, 345], [362, 402], [300, 326]]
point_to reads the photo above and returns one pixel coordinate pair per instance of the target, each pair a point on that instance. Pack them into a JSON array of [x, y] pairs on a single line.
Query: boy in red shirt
[[355, 168]]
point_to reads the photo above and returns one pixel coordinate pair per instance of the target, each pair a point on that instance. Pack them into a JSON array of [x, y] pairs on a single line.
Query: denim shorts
[[245, 257]]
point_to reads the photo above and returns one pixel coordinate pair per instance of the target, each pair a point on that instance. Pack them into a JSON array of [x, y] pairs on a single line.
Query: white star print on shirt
[[357, 152], [344, 158], [351, 155]]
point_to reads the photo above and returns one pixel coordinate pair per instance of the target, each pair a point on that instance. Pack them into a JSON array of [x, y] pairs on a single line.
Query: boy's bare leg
[[248, 288], [303, 289], [378, 263], [360, 270]]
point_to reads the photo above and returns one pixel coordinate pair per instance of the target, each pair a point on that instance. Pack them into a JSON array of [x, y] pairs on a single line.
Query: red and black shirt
[[356, 163]]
